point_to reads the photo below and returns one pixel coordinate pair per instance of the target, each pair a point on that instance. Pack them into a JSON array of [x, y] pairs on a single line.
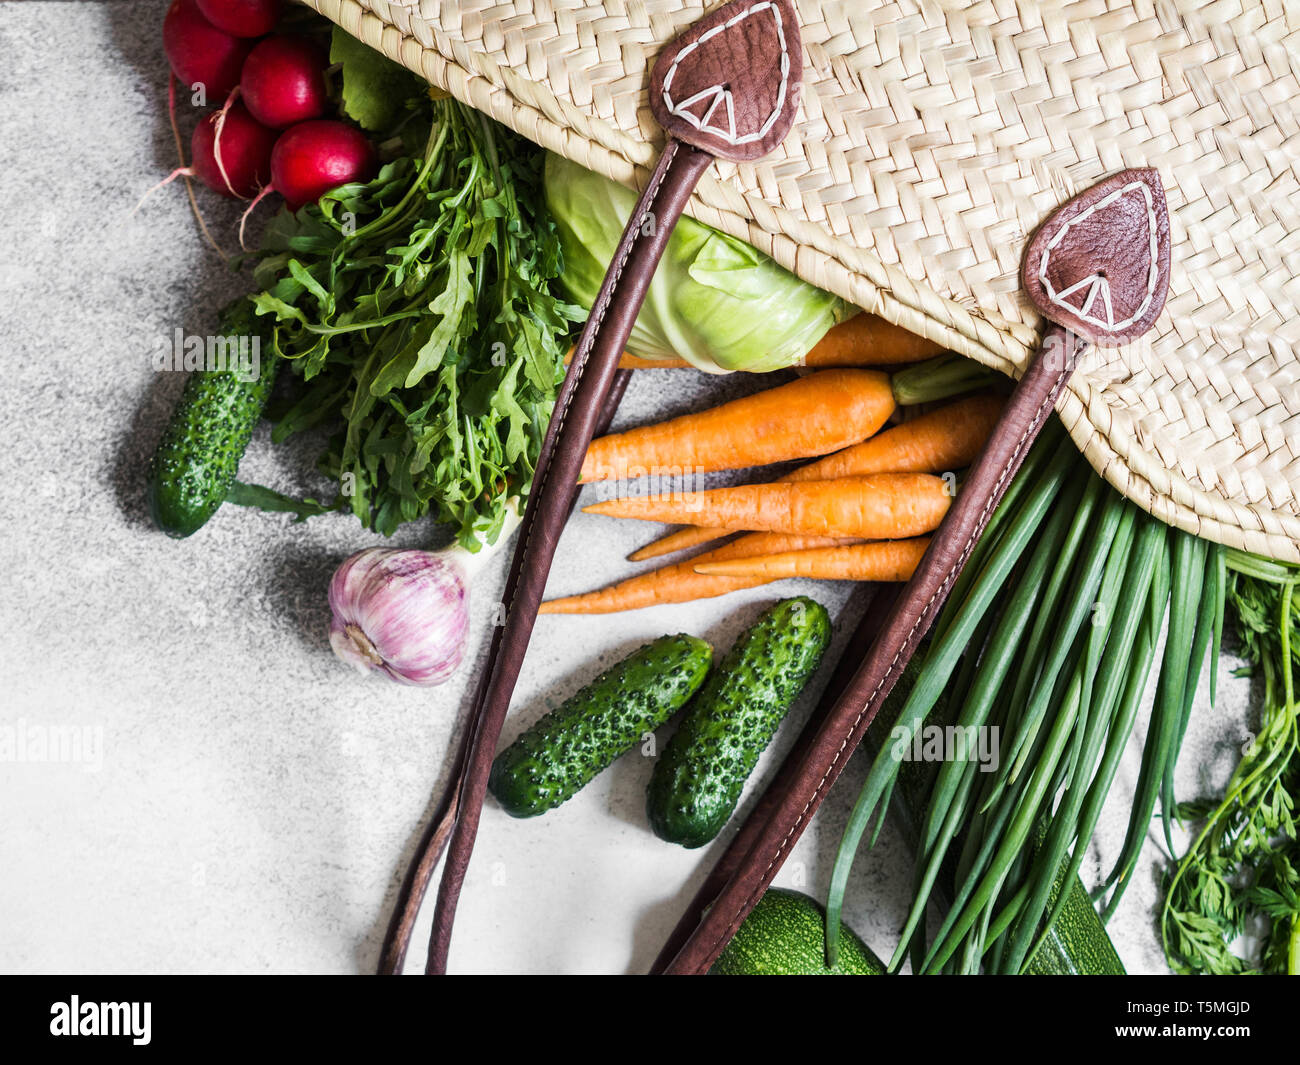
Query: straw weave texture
[[932, 138]]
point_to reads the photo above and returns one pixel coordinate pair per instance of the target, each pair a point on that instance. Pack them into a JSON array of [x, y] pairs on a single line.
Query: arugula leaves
[[420, 314]]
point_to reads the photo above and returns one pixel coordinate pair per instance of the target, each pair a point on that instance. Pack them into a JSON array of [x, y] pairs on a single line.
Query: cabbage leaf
[[715, 301]]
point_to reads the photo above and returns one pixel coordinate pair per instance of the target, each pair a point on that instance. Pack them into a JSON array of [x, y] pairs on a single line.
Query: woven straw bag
[[932, 138]]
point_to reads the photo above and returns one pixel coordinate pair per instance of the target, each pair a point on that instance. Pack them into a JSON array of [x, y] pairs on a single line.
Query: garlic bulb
[[405, 613]]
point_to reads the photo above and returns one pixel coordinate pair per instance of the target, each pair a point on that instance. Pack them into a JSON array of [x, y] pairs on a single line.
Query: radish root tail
[[183, 170], [218, 129], [243, 218]]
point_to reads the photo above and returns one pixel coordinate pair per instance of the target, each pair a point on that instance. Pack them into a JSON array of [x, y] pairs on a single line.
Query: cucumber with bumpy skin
[[196, 461], [560, 754], [785, 935], [698, 780]]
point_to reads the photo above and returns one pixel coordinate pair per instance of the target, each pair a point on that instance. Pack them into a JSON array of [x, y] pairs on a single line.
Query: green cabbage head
[[715, 301]]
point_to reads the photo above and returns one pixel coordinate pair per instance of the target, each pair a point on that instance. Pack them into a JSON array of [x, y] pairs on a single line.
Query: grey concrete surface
[[244, 803]]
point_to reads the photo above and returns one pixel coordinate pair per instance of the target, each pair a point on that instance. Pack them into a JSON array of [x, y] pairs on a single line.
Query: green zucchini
[[558, 756], [698, 780], [1077, 943], [195, 464], [785, 935]]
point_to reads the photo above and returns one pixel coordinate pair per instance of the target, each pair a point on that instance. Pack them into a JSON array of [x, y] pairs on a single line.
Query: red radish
[[283, 81], [314, 157], [232, 154], [242, 18], [201, 54]]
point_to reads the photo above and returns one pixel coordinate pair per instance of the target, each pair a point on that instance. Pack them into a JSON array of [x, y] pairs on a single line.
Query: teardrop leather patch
[[730, 84], [1099, 265]]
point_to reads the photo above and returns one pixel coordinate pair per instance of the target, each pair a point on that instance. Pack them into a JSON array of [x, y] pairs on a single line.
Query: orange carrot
[[947, 438], [863, 340], [635, 362], [813, 415], [884, 506], [881, 560], [678, 540], [679, 583], [627, 361], [941, 440]]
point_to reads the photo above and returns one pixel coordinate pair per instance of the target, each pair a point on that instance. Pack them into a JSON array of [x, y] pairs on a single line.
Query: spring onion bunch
[[1050, 634]]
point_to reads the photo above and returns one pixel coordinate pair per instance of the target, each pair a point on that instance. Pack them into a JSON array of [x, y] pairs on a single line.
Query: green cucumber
[[198, 457], [558, 756], [698, 780], [785, 935]]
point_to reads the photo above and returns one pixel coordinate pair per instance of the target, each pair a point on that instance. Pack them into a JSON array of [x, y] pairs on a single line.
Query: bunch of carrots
[[862, 511]]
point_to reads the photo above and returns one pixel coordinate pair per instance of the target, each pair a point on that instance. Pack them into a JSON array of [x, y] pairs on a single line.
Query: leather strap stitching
[[720, 93], [1097, 281]]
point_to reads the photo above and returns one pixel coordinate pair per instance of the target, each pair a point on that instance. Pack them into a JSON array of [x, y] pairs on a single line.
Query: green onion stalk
[[1051, 635]]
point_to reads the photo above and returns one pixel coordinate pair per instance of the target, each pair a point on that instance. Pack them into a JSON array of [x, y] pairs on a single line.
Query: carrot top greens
[[1232, 903]]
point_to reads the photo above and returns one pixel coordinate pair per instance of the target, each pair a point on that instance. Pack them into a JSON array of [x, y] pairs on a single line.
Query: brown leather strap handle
[[595, 362], [908, 622], [392, 956], [1099, 265], [726, 88], [880, 600]]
